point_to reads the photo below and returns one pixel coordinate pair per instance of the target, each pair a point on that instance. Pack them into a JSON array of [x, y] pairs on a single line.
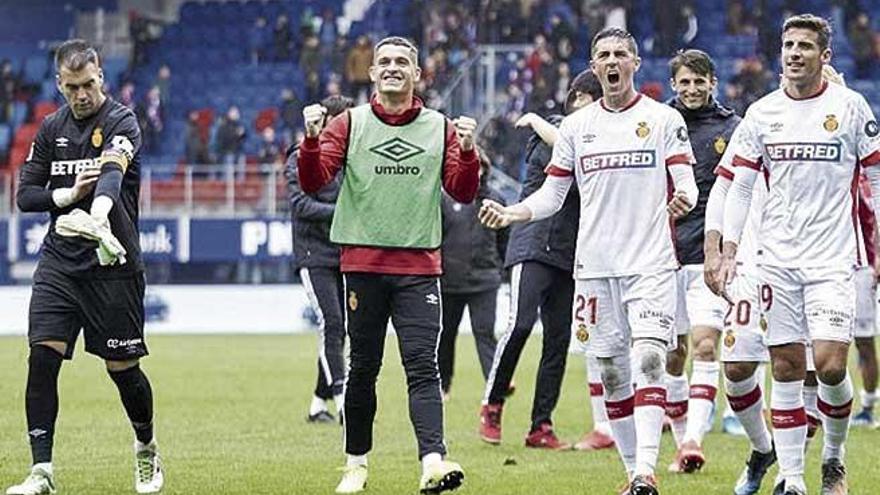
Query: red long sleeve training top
[[321, 158]]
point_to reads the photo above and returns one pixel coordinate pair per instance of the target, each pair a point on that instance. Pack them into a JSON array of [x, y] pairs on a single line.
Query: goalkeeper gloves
[[78, 223]]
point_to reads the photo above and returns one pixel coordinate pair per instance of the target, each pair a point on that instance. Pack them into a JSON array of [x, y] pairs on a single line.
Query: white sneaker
[[354, 479], [148, 473], [39, 482], [440, 477]]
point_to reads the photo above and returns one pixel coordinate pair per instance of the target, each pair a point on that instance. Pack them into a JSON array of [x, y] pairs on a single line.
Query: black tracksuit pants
[[535, 286], [324, 289], [481, 306], [413, 304]]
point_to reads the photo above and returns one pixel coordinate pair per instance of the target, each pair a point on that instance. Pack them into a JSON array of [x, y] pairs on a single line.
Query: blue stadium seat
[[5, 137], [36, 68]]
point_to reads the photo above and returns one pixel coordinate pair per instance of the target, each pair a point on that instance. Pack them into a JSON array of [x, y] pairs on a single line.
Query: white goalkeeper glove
[[78, 223]]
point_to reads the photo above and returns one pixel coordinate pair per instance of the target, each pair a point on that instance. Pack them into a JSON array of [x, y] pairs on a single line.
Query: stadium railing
[[197, 191]]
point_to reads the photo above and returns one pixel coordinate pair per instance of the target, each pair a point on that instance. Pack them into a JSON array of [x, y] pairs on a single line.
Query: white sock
[[868, 399], [704, 387], [356, 460], [745, 400], [811, 397], [318, 405], [789, 430], [597, 396], [430, 459], [677, 405], [619, 401], [45, 467], [761, 374], [339, 401], [650, 402], [835, 404]]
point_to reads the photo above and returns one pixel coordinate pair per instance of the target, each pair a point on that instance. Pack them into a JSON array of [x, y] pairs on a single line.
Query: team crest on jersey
[[97, 137], [729, 339], [643, 130], [720, 145], [352, 300], [582, 333], [831, 123]]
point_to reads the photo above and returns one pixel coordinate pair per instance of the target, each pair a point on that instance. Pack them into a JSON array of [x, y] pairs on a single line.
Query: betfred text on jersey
[[73, 167], [617, 160], [798, 152], [396, 170]]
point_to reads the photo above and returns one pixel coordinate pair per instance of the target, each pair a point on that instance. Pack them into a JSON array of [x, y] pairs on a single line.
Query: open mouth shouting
[[613, 76]]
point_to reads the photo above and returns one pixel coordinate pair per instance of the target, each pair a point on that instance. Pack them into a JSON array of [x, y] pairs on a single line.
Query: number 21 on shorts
[[585, 314]]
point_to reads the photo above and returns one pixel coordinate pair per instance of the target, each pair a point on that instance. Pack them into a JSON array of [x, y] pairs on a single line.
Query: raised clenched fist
[[313, 116], [464, 128]]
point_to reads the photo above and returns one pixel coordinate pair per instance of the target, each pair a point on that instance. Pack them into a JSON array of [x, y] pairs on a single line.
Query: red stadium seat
[[25, 135], [265, 118], [18, 154], [42, 109]]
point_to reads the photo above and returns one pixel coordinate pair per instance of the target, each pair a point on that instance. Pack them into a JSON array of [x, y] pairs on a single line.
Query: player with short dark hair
[[811, 139], [700, 313], [90, 276], [622, 153], [397, 155]]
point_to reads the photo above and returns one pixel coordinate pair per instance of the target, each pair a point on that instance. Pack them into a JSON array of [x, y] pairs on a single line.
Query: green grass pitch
[[230, 420]]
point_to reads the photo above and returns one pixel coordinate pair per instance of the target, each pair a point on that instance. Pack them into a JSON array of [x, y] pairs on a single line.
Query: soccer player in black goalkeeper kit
[[83, 169]]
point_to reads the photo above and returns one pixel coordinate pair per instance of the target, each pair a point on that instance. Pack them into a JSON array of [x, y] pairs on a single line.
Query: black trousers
[[413, 305], [324, 289], [535, 286], [481, 306]]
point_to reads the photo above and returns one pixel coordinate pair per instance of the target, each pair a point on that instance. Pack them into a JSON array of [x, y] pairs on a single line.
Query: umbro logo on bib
[[397, 150]]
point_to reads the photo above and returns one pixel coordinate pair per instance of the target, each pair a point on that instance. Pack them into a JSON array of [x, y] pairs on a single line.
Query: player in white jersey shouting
[[621, 151], [811, 138]]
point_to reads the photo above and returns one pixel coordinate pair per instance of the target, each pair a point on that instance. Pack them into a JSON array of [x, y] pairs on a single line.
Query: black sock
[[41, 400], [137, 398]]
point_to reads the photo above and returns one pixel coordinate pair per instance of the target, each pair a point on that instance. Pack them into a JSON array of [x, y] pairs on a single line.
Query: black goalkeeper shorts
[[109, 311]]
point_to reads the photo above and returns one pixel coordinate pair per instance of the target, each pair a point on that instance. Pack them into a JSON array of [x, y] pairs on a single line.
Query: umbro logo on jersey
[[61, 142], [588, 138], [776, 127], [617, 160], [795, 152], [397, 150]]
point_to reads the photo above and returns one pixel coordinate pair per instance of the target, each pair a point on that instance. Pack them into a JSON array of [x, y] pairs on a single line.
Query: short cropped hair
[[399, 41], [615, 32], [75, 54], [336, 104], [696, 60], [812, 22], [585, 82]]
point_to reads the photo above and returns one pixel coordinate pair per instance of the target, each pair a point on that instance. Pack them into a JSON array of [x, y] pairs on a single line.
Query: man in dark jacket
[[472, 265], [699, 312], [317, 260], [541, 258]]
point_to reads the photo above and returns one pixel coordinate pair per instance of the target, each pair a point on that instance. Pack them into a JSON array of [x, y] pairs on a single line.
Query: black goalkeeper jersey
[[63, 147]]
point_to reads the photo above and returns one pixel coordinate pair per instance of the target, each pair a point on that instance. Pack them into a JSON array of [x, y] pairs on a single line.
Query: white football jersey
[[749, 250], [619, 161], [811, 150]]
